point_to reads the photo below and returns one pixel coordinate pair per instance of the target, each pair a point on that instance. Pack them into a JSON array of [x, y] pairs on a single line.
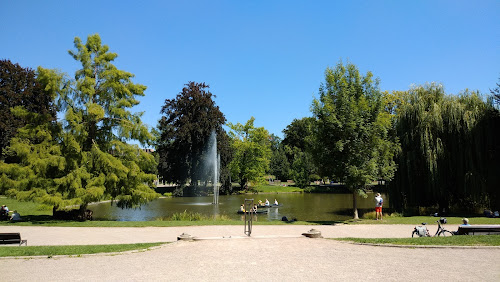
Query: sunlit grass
[[26, 208], [76, 250], [416, 220], [266, 188], [458, 240]]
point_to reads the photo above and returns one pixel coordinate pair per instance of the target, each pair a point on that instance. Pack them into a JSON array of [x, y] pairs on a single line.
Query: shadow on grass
[[38, 220], [313, 222]]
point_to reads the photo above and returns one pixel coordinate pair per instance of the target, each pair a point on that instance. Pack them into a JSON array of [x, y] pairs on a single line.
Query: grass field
[[73, 250], [266, 188], [463, 240]]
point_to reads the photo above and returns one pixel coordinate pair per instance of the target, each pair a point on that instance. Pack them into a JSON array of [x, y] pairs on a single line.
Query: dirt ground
[[278, 253]]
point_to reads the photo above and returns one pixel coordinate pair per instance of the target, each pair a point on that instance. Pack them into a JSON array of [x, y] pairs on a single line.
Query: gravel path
[[278, 253]]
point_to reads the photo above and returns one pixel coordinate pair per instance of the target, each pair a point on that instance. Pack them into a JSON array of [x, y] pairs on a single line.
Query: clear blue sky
[[263, 58]]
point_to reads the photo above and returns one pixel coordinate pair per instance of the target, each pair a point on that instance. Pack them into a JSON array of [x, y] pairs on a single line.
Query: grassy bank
[[72, 250], [266, 188], [484, 240]]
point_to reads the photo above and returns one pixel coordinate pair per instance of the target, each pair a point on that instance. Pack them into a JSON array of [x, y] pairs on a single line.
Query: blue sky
[[263, 58]]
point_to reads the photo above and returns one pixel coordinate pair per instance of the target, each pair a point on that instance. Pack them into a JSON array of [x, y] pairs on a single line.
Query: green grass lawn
[[417, 220], [25, 208], [73, 250], [462, 240]]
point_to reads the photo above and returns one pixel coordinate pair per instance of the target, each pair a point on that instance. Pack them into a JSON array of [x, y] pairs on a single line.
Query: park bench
[[12, 238], [479, 230]]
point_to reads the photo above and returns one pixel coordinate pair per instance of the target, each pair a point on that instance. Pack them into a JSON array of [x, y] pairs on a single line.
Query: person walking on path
[[378, 206]]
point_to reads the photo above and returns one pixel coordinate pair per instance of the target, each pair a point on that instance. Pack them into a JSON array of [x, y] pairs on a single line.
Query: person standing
[[379, 202]]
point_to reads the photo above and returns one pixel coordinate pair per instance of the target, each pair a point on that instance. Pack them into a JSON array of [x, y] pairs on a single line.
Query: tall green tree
[[252, 152], [297, 146], [185, 128], [20, 87], [98, 163], [351, 138]]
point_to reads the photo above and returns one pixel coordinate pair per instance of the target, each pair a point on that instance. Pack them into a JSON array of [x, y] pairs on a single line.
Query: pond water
[[305, 207]]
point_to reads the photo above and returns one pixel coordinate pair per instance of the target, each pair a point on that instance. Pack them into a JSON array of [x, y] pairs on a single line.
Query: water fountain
[[213, 162]]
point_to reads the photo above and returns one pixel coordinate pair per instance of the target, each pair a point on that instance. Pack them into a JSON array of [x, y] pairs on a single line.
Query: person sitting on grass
[[15, 216], [4, 212]]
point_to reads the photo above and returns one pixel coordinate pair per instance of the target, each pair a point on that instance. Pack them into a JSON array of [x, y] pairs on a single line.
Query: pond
[[304, 207]]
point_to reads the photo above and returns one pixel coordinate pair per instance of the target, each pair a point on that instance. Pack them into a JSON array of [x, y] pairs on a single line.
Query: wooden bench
[[479, 230], [12, 238]]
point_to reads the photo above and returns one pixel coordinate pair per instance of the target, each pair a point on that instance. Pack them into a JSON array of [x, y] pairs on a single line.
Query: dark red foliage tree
[[185, 128]]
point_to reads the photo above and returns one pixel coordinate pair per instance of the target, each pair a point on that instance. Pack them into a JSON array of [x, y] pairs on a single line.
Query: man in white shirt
[[378, 206]]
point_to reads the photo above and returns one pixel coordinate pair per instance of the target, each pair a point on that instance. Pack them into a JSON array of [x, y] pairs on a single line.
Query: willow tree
[[351, 138], [448, 156], [96, 161]]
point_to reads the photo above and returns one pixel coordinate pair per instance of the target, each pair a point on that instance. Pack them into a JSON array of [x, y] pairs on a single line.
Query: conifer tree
[[19, 87], [98, 163]]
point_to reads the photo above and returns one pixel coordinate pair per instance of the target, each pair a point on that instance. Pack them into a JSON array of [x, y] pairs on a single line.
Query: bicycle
[[441, 231], [422, 231]]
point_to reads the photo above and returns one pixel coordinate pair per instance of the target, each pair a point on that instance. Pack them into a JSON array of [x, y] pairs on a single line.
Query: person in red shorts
[[378, 206]]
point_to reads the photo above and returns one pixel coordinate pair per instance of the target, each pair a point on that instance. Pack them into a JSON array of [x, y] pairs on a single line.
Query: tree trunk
[[355, 205]]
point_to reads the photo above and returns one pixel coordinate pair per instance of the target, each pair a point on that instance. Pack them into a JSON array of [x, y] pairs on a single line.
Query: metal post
[[248, 216]]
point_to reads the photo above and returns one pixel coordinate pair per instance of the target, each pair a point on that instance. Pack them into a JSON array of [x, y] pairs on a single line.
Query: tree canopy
[[185, 127], [90, 159], [19, 87], [351, 138], [450, 156], [298, 136], [252, 152]]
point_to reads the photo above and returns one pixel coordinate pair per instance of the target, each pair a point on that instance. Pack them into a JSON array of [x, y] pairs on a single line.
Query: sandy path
[[283, 256]]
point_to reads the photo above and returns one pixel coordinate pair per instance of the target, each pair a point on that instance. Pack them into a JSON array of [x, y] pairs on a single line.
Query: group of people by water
[[4, 214]]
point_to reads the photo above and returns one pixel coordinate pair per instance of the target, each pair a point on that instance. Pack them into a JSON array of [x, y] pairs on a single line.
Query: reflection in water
[[307, 207]]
